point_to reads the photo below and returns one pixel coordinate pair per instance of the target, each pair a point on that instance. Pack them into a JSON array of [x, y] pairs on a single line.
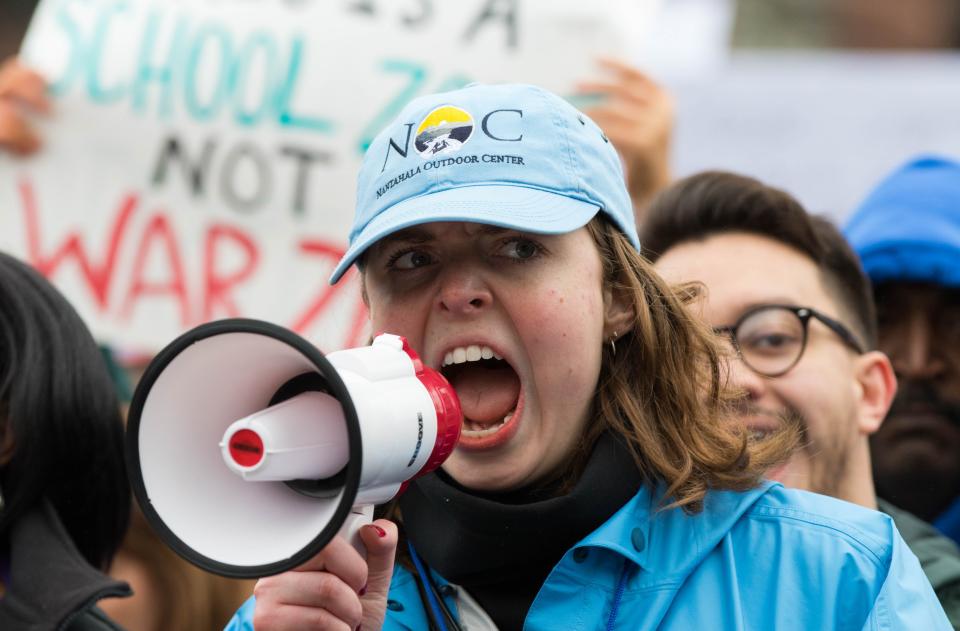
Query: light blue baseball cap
[[514, 156]]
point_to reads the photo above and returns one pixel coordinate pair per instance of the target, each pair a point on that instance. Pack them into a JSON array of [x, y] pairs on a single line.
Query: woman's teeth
[[470, 353], [477, 430], [475, 353]]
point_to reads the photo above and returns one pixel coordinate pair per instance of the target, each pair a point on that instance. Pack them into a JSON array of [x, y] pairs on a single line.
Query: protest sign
[[200, 162]]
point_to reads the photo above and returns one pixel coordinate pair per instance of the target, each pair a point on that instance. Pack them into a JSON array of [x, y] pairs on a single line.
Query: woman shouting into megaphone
[[598, 482]]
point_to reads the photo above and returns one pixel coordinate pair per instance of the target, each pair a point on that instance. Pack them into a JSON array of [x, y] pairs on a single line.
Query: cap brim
[[515, 207]]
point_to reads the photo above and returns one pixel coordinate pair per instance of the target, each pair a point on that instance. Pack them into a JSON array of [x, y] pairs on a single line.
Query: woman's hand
[[637, 115], [335, 590], [21, 90]]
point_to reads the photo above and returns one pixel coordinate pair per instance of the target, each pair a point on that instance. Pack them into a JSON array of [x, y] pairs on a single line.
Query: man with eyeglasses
[[787, 293], [907, 233]]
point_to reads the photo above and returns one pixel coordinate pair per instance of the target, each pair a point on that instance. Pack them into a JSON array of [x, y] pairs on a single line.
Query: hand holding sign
[[20, 88], [637, 114]]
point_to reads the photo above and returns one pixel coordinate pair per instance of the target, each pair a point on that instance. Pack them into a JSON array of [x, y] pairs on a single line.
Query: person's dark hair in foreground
[[66, 502]]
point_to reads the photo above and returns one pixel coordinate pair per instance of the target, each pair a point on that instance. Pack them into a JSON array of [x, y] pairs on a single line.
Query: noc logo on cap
[[444, 130]]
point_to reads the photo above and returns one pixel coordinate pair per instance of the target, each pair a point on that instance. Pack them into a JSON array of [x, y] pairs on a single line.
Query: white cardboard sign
[[200, 162]]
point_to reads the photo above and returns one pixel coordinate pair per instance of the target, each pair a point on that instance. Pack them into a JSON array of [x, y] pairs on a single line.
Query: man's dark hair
[[58, 402], [715, 202]]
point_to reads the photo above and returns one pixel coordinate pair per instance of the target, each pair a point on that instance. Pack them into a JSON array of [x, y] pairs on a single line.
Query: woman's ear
[[619, 313], [876, 386], [363, 290]]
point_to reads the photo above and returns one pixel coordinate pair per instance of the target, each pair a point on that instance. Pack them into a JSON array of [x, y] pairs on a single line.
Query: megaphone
[[249, 450]]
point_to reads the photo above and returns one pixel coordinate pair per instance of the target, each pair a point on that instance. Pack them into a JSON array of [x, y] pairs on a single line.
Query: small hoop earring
[[613, 347]]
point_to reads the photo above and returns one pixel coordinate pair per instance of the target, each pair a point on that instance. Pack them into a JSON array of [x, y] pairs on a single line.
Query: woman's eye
[[520, 249], [410, 259]]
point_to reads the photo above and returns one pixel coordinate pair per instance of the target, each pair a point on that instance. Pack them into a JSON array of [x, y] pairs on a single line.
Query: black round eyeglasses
[[770, 339]]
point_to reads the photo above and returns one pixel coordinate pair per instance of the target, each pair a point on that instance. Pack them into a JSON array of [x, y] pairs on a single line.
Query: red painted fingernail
[[380, 531], [363, 590]]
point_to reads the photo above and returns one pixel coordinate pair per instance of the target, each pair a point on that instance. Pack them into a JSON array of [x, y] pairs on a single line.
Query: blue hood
[[909, 226]]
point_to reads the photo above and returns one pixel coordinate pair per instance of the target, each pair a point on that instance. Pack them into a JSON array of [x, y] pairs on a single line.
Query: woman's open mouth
[[490, 395]]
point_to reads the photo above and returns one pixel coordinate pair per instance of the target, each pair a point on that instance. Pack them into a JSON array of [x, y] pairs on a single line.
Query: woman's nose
[[463, 293]]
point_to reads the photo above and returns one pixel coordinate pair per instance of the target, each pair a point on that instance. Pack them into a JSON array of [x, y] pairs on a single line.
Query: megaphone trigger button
[[412, 354]]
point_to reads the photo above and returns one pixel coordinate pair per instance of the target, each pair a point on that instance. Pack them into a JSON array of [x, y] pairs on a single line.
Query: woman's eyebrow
[[408, 235], [417, 235], [494, 230]]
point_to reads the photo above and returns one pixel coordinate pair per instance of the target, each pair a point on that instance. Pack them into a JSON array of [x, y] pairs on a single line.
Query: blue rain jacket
[[770, 558]]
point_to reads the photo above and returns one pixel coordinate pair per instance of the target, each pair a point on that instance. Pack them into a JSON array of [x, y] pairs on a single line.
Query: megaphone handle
[[358, 517]]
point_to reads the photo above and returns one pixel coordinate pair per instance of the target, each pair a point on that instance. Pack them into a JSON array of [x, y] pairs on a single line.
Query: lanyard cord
[[422, 592], [435, 605]]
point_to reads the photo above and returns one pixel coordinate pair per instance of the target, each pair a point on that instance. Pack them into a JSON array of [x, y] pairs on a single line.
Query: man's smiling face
[[741, 272]]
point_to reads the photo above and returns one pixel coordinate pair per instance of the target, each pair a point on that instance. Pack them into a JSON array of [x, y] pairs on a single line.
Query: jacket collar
[[50, 581], [670, 542]]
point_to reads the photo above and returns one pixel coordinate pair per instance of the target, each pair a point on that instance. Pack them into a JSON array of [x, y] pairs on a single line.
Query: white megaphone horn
[[249, 450]]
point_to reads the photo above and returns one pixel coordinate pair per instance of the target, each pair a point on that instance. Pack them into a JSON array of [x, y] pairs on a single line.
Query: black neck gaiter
[[502, 547]]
